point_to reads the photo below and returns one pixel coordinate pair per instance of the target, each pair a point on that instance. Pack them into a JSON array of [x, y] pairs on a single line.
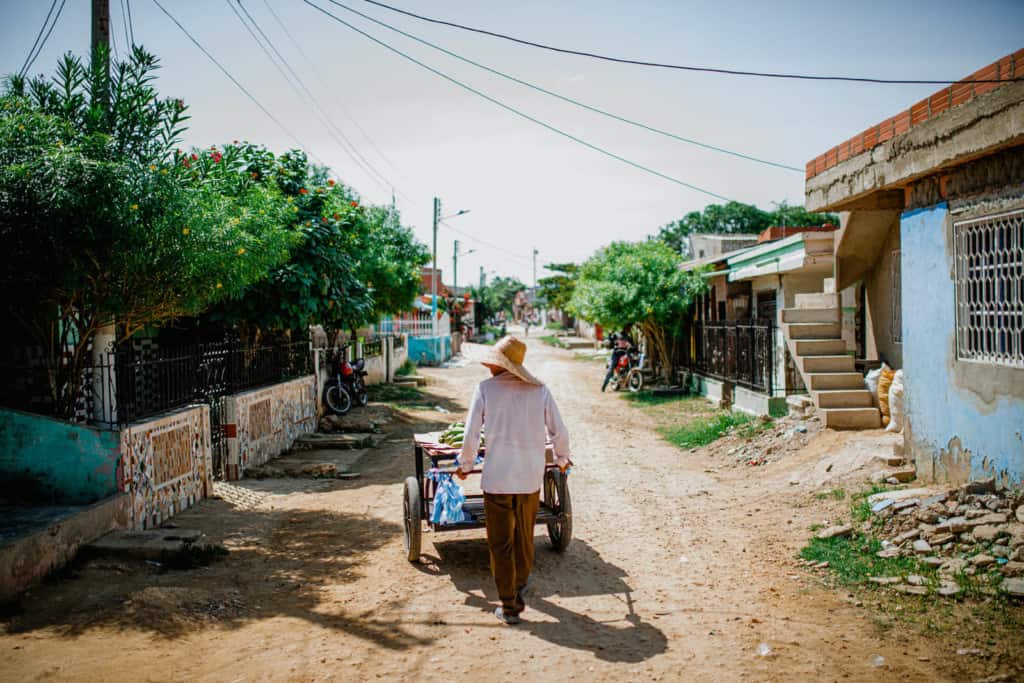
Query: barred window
[[896, 309], [989, 255]]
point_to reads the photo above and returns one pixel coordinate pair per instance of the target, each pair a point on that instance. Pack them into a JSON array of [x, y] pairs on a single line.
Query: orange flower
[[354, 204], [336, 216], [324, 219], [330, 183], [241, 250], [303, 190]]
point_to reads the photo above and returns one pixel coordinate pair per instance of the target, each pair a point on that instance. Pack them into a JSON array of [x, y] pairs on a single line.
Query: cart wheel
[[556, 496], [413, 519]]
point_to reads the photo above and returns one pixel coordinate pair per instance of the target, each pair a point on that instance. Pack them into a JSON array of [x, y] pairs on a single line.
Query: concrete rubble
[[975, 530]]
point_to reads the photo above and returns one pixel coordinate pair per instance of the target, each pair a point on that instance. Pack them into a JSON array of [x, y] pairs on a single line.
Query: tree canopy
[[736, 218], [557, 289], [637, 283]]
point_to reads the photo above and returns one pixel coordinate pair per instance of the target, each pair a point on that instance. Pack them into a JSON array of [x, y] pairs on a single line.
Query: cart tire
[[635, 381], [412, 505], [556, 496]]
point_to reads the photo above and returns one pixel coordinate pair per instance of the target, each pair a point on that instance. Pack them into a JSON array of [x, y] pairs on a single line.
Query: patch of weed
[[552, 340], [835, 494], [852, 559], [648, 398], [407, 368], [394, 393], [702, 431]]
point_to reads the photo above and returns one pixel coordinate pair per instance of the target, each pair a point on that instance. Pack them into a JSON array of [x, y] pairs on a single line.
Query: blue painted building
[[932, 234]]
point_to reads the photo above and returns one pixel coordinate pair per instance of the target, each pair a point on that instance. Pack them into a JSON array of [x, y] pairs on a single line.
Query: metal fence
[[734, 351], [373, 348]]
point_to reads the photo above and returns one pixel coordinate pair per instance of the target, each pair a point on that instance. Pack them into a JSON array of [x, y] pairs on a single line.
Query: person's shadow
[[578, 572]]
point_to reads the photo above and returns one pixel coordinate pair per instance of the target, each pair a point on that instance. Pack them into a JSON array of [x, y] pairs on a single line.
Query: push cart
[[555, 510]]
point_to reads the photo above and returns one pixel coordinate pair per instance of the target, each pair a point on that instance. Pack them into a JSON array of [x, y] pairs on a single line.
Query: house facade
[[932, 235], [737, 351]]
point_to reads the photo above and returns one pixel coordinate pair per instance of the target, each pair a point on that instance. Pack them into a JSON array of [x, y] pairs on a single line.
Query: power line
[[570, 100], [343, 141], [518, 112], [37, 46], [316, 72], [485, 243], [235, 81], [681, 67], [131, 24], [127, 36]]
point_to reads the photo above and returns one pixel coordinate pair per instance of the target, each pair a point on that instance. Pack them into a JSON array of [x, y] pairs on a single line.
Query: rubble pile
[[975, 530], [779, 438], [369, 419]]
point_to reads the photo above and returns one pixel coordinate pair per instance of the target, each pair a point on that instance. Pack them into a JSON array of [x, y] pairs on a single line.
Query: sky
[[524, 186]]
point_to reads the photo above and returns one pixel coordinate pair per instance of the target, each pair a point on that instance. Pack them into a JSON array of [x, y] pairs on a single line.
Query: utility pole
[[482, 280], [455, 268], [101, 43], [101, 24], [433, 276], [535, 252]]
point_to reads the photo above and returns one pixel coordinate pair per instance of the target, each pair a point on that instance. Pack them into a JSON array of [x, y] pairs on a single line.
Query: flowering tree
[[103, 223], [352, 263], [637, 283]]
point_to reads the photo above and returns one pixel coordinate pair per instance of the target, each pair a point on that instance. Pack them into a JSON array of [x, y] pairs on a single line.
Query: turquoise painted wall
[[430, 350], [48, 461], [946, 416]]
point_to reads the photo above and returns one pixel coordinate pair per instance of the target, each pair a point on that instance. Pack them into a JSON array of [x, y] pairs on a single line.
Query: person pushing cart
[[520, 414]]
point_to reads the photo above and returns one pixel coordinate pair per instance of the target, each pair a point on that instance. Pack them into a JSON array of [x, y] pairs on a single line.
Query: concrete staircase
[[814, 336]]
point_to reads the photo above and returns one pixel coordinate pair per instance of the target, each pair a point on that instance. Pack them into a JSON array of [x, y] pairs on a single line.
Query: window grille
[[989, 255], [896, 309]]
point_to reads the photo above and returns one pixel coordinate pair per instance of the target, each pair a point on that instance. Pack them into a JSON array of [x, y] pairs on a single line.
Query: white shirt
[[518, 417]]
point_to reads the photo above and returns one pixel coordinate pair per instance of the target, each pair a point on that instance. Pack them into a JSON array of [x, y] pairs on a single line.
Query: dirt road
[[678, 571]]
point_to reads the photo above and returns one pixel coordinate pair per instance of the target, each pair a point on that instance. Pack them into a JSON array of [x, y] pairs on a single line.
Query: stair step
[[810, 315], [819, 381], [819, 347], [843, 363], [851, 418], [817, 300], [814, 330], [844, 398]]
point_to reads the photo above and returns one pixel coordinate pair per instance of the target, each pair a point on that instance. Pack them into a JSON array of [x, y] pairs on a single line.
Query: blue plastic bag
[[448, 500]]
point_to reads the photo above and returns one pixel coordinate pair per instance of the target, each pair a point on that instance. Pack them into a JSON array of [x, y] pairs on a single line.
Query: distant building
[[707, 245]]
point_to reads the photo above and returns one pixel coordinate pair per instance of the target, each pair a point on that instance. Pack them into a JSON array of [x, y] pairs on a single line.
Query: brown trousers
[[510, 521]]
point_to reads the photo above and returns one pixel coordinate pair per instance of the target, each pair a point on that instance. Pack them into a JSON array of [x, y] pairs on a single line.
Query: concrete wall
[[166, 464], [965, 419], [880, 287], [430, 350], [263, 423], [30, 558], [49, 461]]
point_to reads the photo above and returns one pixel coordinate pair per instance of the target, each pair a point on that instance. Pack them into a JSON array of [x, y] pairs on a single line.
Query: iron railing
[[736, 351], [373, 348]]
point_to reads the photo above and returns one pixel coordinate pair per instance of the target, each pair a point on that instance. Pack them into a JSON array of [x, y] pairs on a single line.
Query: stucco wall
[[264, 423], [879, 297], [166, 464], [966, 419], [49, 461]]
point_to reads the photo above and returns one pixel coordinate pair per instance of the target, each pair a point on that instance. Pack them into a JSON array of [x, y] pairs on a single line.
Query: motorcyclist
[[621, 344]]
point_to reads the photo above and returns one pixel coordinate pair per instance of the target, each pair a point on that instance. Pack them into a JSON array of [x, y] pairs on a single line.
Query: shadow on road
[[579, 572], [287, 563]]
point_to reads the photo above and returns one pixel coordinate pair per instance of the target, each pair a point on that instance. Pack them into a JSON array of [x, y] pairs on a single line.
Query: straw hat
[[508, 354]]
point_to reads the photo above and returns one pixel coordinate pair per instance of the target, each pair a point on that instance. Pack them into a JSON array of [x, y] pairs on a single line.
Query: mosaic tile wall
[[166, 465], [264, 423]]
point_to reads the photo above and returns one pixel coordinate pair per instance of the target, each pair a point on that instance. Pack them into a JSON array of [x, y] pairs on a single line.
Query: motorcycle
[[629, 371], [346, 385]]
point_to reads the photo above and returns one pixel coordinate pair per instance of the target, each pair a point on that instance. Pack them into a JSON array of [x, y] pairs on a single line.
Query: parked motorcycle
[[346, 385], [628, 371]]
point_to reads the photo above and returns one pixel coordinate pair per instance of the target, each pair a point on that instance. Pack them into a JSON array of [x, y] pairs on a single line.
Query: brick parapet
[[1009, 67]]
